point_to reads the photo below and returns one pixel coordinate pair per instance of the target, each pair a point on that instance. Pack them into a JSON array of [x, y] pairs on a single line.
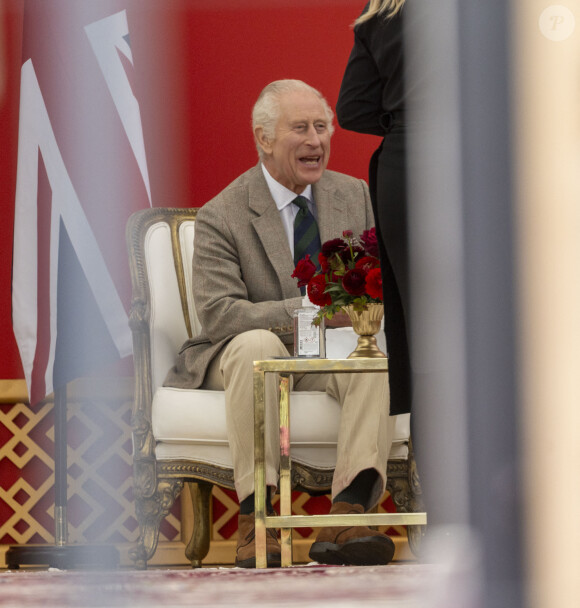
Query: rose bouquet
[[349, 274]]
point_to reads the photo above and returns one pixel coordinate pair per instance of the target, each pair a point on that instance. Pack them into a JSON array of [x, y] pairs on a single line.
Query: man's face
[[299, 153]]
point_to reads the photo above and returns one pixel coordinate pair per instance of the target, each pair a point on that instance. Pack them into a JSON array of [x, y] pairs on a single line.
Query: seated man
[[245, 297]]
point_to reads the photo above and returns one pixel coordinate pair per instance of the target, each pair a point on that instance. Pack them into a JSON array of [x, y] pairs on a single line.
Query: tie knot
[[302, 202]]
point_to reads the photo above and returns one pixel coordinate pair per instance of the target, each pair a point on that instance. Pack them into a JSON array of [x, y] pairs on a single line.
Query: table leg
[[285, 468], [259, 471]]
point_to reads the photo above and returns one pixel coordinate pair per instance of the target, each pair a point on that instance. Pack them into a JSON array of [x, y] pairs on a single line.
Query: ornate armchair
[[179, 436]]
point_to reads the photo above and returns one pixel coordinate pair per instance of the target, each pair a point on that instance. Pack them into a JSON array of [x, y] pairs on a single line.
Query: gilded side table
[[286, 521]]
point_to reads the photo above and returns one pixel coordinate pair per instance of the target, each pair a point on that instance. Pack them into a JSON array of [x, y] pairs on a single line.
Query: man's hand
[[340, 319]]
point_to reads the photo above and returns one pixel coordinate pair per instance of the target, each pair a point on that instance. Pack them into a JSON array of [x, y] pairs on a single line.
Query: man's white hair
[[266, 112]]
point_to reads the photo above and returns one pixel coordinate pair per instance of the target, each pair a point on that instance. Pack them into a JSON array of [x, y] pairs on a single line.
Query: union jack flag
[[82, 171]]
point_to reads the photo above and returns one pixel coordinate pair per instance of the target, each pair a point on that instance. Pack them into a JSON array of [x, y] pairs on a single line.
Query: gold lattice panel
[[100, 494], [26, 481]]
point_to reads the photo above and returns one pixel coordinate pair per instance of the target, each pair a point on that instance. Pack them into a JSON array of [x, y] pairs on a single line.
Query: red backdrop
[[199, 68]]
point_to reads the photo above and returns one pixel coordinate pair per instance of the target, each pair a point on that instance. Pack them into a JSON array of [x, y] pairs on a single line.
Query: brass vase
[[366, 323]]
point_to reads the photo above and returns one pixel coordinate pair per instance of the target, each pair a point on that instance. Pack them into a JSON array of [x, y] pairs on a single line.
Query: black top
[[373, 81]]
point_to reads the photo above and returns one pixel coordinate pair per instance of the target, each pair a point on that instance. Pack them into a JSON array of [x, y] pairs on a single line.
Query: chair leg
[[404, 486], [198, 545], [415, 534], [406, 501], [150, 512]]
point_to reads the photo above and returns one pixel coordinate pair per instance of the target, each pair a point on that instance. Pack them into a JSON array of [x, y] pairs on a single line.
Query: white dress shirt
[[283, 198]]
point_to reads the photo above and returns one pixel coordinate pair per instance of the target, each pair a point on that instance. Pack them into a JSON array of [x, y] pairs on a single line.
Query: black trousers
[[388, 186]]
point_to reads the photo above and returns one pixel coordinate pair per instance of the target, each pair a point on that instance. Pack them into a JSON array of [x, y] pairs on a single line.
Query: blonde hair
[[388, 8], [266, 111]]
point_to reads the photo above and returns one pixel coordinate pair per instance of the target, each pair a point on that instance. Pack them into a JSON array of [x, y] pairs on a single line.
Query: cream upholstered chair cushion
[[183, 429], [179, 436]]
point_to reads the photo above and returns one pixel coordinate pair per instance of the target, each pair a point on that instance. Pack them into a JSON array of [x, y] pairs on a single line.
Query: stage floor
[[408, 585]]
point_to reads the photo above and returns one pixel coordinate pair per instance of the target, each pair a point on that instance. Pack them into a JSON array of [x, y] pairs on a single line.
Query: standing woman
[[372, 101]]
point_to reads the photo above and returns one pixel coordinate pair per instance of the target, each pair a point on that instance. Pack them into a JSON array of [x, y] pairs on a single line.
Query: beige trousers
[[365, 431]]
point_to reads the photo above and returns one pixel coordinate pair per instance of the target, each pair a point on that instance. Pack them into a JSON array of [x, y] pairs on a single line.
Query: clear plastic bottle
[[308, 338]]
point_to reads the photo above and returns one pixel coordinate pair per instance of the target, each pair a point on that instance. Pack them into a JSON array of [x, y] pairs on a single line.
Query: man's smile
[[312, 161]]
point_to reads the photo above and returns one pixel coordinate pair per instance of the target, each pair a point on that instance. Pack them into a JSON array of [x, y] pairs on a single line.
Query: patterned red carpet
[[397, 585]]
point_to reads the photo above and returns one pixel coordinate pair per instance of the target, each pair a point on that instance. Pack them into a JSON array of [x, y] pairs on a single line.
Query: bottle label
[[306, 335]]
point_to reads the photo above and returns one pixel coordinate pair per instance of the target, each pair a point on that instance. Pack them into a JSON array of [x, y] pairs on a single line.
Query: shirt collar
[[283, 196]]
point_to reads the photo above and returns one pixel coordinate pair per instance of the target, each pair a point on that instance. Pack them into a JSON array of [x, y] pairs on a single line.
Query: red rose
[[374, 284], [351, 253], [333, 246], [369, 239], [347, 234], [354, 282], [304, 271], [367, 263], [315, 290], [324, 265]]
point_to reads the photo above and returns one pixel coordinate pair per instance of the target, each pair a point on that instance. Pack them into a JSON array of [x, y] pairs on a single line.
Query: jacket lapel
[[331, 208], [270, 231]]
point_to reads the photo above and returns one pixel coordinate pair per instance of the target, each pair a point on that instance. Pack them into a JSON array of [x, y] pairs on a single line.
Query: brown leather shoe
[[246, 549], [354, 546]]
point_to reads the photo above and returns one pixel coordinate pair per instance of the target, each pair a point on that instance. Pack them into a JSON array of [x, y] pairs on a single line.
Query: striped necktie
[[306, 235]]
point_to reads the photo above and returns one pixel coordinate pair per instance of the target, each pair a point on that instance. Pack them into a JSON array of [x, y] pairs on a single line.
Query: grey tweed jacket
[[243, 264]]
